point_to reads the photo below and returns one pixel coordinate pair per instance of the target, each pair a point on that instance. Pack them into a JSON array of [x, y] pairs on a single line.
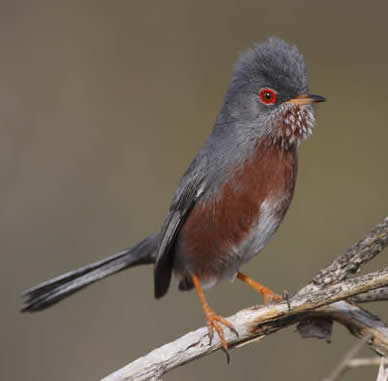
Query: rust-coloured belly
[[216, 228]]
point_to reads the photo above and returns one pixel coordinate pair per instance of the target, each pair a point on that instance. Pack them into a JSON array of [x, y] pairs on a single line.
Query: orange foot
[[214, 320], [268, 295]]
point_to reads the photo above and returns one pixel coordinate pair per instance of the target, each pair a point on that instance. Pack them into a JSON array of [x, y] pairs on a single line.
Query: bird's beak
[[307, 99]]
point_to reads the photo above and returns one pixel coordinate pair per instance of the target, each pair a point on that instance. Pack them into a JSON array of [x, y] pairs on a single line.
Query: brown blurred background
[[102, 107]]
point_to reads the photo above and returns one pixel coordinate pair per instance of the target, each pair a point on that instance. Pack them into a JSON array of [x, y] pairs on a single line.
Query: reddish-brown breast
[[221, 223]]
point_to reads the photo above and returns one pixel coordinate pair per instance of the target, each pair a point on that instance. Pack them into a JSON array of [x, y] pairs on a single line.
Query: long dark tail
[[52, 291]]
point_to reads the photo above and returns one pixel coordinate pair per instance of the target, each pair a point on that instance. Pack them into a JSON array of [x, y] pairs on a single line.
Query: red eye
[[267, 96]]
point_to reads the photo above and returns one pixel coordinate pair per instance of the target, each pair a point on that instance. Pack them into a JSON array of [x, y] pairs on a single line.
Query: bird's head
[[269, 94]]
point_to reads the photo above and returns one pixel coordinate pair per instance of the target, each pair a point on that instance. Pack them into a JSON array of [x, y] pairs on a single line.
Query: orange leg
[[268, 295], [212, 319]]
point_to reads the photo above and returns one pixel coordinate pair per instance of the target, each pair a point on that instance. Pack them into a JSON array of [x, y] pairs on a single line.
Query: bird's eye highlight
[[267, 96]]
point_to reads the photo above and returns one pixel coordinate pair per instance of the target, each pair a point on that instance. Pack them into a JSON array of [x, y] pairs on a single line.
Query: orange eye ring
[[267, 96]]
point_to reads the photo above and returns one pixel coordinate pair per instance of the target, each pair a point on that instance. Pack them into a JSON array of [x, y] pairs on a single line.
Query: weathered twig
[[342, 367], [367, 361], [318, 299], [378, 295], [383, 373], [349, 362], [374, 361], [361, 252], [349, 262], [339, 269]]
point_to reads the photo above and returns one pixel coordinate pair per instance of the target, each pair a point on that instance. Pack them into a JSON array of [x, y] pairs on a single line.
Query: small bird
[[233, 196]]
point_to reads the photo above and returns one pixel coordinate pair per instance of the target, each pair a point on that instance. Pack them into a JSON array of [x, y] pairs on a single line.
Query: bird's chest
[[234, 224]]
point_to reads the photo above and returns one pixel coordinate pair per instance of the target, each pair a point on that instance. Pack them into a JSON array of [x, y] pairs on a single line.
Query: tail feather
[[52, 291]]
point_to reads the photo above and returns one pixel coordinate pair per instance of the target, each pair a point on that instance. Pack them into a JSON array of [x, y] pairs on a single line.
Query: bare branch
[[378, 295], [321, 301], [372, 361], [383, 373], [341, 368], [359, 322], [256, 322], [361, 252]]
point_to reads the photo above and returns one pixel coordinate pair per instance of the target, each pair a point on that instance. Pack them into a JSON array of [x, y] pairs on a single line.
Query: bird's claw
[[286, 297], [213, 323]]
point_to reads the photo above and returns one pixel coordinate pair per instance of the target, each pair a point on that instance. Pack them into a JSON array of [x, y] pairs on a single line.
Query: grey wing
[[189, 191]]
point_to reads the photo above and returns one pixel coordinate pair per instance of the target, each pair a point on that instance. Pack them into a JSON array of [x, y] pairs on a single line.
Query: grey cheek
[[251, 107]]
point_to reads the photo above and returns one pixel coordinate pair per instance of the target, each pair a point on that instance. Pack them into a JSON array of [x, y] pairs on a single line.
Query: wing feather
[[189, 191]]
